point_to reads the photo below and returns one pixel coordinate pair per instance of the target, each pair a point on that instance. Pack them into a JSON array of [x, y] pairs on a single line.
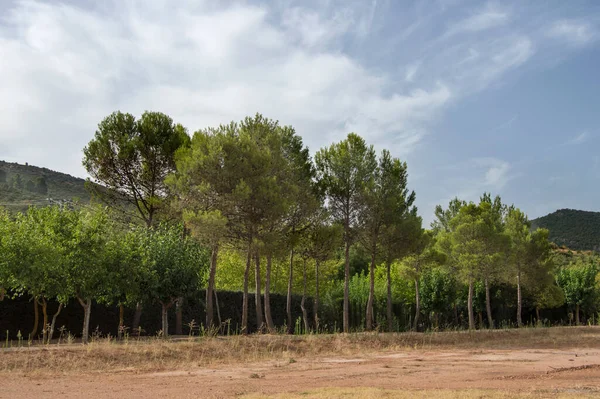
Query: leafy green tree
[[321, 242], [464, 247], [6, 254], [438, 287], [89, 244], [131, 159], [38, 264], [203, 198], [2, 176], [529, 259], [387, 201], [400, 236], [303, 207], [444, 216], [578, 282], [495, 245], [174, 266], [344, 171], [425, 257]]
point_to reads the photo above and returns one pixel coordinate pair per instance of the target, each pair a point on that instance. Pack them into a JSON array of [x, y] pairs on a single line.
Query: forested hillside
[[25, 185], [578, 230]]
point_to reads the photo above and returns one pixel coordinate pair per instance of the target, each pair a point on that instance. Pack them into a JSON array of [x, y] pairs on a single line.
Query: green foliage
[[131, 158], [173, 266], [577, 230], [578, 282], [438, 290]]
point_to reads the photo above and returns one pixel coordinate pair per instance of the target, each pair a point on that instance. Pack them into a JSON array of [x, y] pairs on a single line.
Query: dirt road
[[567, 370]]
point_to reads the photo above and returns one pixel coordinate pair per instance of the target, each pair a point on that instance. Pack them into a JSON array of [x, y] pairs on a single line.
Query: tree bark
[[165, 319], [304, 312], [53, 325], [480, 315], [179, 316], [417, 305], [288, 307], [488, 305], [537, 314], [45, 319], [218, 309], [369, 314], [267, 298], [316, 302], [245, 298], [87, 311], [577, 314], [470, 306], [120, 331], [136, 318], [257, 298], [211, 286], [519, 300], [346, 318], [389, 296], [36, 321]]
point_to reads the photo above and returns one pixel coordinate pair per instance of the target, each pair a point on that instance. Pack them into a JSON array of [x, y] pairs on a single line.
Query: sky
[[500, 97]]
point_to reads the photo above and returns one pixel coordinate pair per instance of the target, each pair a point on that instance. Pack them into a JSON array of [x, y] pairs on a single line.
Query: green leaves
[[131, 158]]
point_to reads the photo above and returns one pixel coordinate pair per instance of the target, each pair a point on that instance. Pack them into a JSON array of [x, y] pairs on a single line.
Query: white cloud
[[487, 18], [66, 67], [411, 71], [572, 31], [580, 138]]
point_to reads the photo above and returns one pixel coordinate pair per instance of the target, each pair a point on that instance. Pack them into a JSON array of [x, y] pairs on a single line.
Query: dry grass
[[157, 355], [374, 393]]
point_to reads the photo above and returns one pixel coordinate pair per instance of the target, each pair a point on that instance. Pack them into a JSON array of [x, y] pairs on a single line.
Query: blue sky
[[476, 96]]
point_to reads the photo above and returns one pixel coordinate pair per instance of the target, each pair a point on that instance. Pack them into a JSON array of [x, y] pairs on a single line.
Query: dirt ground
[[539, 372]]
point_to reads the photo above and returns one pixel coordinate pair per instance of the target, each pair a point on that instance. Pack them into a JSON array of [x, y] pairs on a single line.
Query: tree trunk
[[316, 302], [267, 299], [179, 316], [121, 329], [480, 315], [346, 319], [389, 296], [87, 311], [136, 318], [211, 286], [218, 310], [257, 298], [304, 312], [245, 298], [470, 306], [519, 300], [488, 305], [417, 305], [45, 326], [165, 319], [577, 314], [537, 314], [36, 321], [288, 307], [369, 313], [53, 325]]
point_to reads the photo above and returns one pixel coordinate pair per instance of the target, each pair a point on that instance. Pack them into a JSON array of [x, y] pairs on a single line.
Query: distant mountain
[[25, 185], [577, 230]]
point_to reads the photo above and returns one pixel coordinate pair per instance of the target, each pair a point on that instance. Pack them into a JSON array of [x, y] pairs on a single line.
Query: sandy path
[[571, 370]]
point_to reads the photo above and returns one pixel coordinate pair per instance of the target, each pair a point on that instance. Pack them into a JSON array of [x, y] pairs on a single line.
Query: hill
[[578, 230], [25, 185]]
